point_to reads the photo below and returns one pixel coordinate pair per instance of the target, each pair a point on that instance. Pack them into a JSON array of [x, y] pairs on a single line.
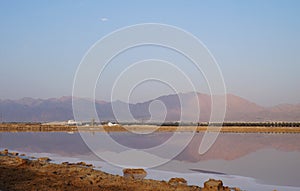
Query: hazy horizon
[[256, 45]]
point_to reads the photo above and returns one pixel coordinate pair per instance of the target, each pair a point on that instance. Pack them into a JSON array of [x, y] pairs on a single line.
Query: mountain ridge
[[176, 106]]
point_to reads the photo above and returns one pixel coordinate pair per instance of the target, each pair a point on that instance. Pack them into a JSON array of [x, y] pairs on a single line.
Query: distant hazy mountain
[[174, 108]]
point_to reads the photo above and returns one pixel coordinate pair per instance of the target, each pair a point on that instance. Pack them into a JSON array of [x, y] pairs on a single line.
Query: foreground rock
[[177, 181], [44, 160], [137, 174], [78, 164], [214, 185], [217, 185], [4, 152]]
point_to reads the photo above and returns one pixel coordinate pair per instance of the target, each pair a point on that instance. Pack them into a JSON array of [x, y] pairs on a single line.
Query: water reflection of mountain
[[232, 146], [227, 146], [270, 158]]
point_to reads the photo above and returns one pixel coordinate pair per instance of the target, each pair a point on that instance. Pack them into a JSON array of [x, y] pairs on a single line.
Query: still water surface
[[250, 161]]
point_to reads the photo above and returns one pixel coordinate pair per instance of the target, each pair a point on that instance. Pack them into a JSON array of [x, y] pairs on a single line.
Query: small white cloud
[[103, 19]]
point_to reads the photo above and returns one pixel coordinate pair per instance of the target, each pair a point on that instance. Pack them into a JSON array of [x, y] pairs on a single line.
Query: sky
[[255, 43]]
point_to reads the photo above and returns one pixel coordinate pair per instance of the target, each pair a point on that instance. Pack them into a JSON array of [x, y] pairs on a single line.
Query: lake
[[251, 161]]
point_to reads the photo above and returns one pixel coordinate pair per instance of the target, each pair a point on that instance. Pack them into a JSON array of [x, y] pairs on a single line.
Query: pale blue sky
[[256, 43]]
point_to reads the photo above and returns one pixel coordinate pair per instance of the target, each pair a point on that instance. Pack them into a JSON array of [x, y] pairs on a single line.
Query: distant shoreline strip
[[23, 127]]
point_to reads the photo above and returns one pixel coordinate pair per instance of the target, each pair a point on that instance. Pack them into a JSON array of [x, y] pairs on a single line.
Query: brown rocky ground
[[18, 173], [22, 174]]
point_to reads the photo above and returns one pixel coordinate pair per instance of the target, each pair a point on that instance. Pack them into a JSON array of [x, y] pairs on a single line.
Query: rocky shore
[[17, 172]]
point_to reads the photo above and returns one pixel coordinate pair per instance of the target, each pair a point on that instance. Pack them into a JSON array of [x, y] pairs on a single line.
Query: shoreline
[[23, 127], [17, 172]]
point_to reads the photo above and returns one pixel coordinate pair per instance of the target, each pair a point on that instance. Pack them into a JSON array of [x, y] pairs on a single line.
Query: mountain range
[[172, 107]]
